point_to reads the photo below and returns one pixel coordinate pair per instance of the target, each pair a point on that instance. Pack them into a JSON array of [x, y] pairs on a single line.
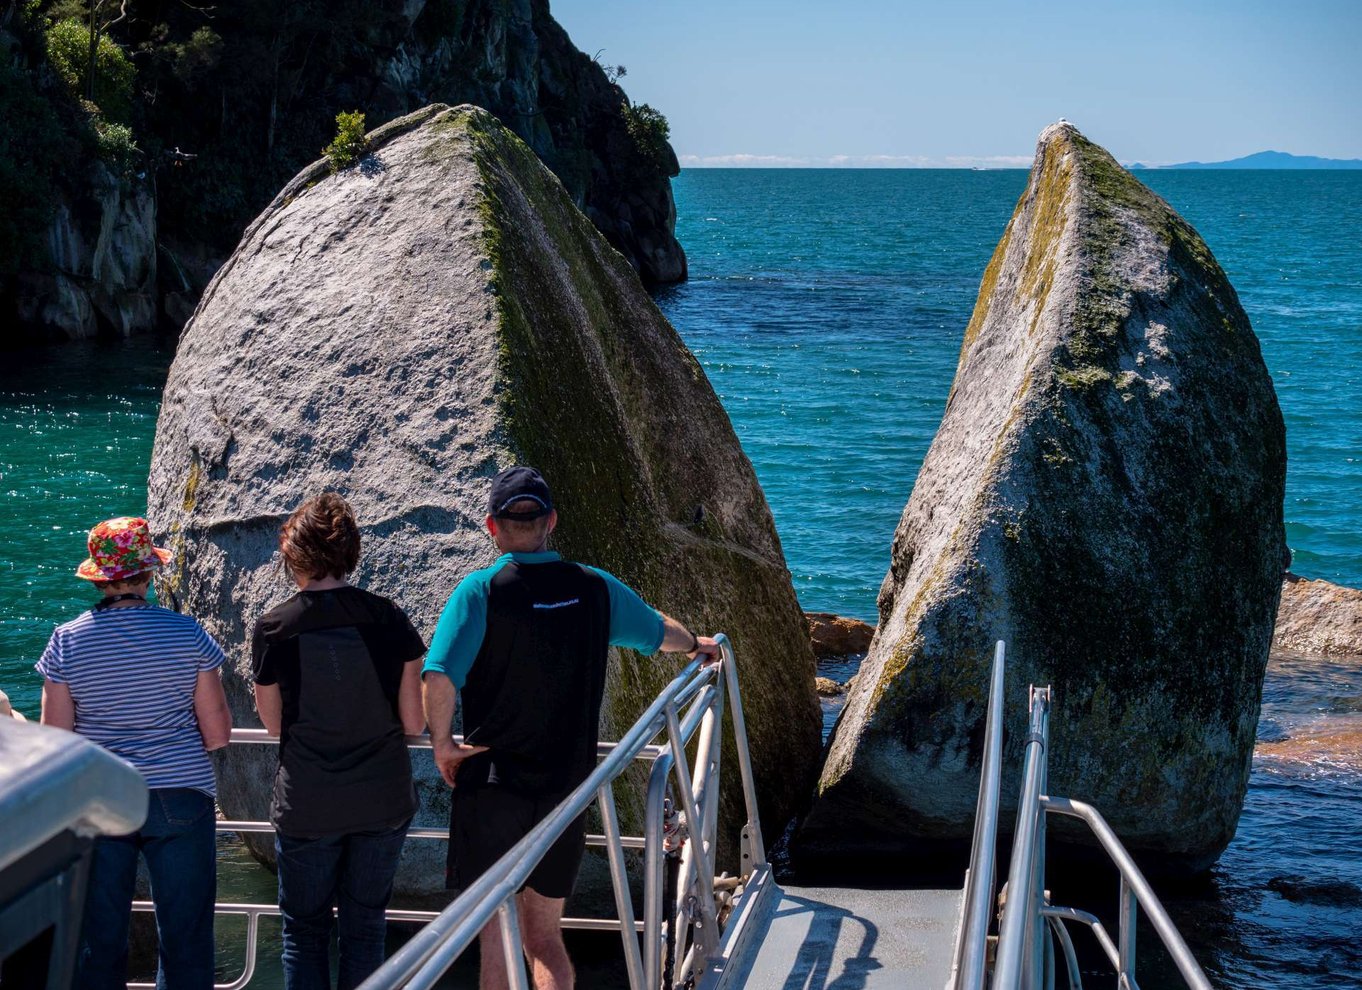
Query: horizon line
[[904, 162], [743, 160]]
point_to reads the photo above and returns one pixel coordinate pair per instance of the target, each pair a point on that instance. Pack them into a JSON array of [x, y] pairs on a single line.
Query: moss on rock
[[399, 334], [1122, 531]]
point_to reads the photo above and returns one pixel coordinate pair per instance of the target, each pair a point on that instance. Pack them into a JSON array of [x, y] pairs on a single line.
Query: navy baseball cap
[[516, 484]]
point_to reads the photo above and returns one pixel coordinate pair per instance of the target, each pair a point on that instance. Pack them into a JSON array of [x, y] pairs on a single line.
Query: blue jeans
[[177, 841], [352, 872]]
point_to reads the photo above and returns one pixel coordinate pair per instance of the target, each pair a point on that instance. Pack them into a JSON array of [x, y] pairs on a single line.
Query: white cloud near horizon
[[744, 160]]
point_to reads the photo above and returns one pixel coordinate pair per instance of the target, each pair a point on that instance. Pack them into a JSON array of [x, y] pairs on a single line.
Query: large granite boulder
[[398, 333], [1105, 494], [1319, 619]]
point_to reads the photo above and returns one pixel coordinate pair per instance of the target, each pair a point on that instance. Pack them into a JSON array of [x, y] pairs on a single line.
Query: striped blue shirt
[[131, 671]]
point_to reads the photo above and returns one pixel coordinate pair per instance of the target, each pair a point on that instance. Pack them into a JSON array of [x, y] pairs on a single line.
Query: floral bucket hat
[[120, 549]]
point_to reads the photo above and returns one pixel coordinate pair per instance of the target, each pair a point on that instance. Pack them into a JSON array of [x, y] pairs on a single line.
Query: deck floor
[[828, 938]]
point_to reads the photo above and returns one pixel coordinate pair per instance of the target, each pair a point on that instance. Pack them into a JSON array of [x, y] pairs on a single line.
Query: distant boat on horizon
[[1266, 160]]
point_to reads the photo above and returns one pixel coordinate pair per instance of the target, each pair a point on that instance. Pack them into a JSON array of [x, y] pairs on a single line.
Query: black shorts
[[486, 821]]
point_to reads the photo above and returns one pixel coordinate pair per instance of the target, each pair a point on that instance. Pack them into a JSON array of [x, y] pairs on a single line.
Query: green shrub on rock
[[115, 145], [350, 144], [649, 130], [197, 56], [68, 50]]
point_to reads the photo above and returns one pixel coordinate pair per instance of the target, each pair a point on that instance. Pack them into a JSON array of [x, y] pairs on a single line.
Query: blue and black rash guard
[[526, 643]]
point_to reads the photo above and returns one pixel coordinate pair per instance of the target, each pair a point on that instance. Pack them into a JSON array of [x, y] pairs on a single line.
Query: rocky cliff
[[401, 331], [515, 60], [225, 104], [1105, 494], [100, 270]]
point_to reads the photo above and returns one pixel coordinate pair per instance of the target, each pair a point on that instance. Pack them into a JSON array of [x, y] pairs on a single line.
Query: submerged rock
[[1325, 893], [837, 636], [1318, 619], [1105, 494], [1328, 743], [400, 332]]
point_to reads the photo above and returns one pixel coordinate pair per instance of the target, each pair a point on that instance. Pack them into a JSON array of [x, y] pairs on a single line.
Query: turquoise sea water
[[827, 308]]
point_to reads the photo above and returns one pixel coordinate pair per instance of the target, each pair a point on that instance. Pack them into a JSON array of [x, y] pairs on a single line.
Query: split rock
[[1105, 494], [400, 332]]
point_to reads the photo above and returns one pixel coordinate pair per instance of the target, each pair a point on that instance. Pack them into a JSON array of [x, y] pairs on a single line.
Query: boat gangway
[[698, 927]]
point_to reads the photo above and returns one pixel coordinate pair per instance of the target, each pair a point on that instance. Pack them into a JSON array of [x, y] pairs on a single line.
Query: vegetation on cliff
[[218, 106]]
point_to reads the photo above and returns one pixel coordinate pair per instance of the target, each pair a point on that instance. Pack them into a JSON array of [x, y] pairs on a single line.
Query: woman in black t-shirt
[[337, 680]]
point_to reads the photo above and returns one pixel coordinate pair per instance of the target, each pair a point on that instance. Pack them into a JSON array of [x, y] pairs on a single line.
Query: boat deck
[[830, 938]]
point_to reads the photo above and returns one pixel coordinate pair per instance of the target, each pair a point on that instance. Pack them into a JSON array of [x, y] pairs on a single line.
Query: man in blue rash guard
[[525, 642]]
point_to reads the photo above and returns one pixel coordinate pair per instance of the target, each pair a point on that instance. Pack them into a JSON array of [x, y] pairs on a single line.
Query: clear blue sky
[[901, 82]]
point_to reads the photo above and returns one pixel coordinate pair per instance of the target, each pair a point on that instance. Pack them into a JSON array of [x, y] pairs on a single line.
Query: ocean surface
[[827, 308]]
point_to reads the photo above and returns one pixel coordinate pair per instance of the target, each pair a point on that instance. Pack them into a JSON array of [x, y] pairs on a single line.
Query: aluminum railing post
[[514, 950], [252, 940], [707, 773], [976, 906], [1014, 966], [1125, 936], [654, 934], [1035, 924], [704, 870], [697, 716], [1048, 953], [1070, 956], [619, 877], [749, 781]]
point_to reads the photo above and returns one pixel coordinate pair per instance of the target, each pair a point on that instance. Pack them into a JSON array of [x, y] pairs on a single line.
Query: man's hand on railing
[[449, 754], [707, 648], [676, 638]]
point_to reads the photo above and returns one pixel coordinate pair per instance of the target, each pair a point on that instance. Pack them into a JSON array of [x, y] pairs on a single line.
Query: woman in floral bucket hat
[[143, 682]]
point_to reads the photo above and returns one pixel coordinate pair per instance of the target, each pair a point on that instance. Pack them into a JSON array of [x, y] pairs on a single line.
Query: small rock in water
[[837, 636], [1319, 619], [827, 687]]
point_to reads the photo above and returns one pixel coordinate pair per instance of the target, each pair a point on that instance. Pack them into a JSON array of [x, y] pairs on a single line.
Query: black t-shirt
[[338, 657]]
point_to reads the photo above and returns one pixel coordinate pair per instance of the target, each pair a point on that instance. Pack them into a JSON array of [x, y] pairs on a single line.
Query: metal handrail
[[253, 912], [1025, 956], [1135, 890], [971, 947], [704, 690], [1015, 935], [421, 962], [454, 929], [263, 737]]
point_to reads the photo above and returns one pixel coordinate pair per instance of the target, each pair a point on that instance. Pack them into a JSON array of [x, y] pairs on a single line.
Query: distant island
[[1267, 159]]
